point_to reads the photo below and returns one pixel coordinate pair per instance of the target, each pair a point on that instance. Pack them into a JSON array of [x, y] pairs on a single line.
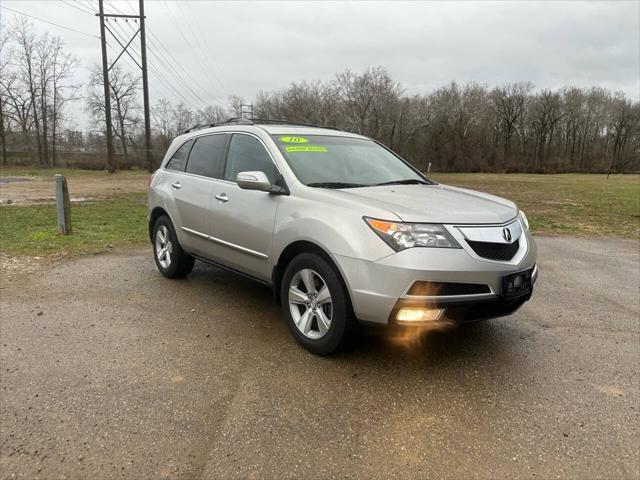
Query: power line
[[186, 71], [47, 21], [112, 5], [204, 58], [155, 71], [76, 7], [89, 5], [200, 35], [168, 65], [118, 31], [162, 63]]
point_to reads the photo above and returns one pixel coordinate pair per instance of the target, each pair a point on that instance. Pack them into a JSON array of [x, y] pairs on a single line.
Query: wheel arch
[[296, 248], [156, 213]]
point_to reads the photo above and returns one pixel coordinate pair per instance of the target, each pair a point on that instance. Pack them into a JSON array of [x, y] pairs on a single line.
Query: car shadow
[[484, 343]]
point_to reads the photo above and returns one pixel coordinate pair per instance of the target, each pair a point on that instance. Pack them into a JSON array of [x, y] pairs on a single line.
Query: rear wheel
[[171, 260], [315, 304]]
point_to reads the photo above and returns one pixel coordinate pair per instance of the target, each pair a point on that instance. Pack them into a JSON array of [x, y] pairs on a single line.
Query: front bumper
[[379, 289]]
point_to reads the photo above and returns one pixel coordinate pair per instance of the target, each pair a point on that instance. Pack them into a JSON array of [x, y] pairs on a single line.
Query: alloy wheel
[[310, 303], [164, 248]]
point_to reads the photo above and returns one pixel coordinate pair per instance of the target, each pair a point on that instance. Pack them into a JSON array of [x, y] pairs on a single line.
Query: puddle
[[15, 179]]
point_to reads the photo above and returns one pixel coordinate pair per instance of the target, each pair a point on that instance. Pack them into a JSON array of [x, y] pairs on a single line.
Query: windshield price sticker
[[306, 149], [294, 139]]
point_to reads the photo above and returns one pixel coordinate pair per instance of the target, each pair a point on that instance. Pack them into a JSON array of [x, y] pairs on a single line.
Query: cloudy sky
[[203, 51]]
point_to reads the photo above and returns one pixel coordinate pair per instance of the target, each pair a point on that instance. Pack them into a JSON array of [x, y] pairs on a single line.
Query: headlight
[[524, 219], [407, 235]]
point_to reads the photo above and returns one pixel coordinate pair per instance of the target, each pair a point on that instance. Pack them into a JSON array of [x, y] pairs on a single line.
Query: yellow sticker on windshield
[[294, 139], [306, 149]]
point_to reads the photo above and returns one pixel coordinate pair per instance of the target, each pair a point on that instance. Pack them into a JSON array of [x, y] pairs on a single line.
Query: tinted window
[[179, 159], [207, 156], [246, 153]]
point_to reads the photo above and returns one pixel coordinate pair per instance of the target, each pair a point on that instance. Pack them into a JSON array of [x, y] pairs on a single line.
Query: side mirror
[[253, 181]]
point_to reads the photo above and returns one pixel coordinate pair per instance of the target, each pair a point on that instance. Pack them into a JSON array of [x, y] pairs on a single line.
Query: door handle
[[222, 197], [176, 185]]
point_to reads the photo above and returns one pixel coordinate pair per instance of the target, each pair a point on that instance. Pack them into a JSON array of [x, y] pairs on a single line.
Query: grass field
[[582, 205], [568, 204]]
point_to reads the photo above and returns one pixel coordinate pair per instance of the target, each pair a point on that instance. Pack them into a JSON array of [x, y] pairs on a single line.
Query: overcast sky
[[222, 48]]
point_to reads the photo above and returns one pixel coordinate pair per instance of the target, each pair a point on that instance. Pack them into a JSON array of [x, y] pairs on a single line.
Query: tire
[[174, 262], [308, 311]]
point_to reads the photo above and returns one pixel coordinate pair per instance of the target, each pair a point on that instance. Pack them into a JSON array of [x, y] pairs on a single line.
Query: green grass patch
[[567, 204], [32, 230]]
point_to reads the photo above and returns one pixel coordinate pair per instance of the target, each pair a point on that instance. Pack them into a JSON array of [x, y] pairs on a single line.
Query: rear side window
[[246, 153], [207, 156], [179, 159]]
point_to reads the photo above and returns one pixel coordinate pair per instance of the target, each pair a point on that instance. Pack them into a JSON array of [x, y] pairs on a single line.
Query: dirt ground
[[33, 190], [110, 370]]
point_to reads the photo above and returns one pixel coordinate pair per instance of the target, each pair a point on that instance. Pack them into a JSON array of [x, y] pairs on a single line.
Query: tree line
[[470, 127], [458, 127]]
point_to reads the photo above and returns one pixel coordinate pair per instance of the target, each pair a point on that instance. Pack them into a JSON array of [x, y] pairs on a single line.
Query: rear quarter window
[[179, 159]]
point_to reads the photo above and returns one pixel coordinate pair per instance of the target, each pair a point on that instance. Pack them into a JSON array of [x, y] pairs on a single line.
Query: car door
[[243, 220], [193, 191]]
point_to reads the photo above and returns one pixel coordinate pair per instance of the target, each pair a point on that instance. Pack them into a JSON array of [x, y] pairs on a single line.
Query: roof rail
[[228, 121], [272, 121], [256, 121]]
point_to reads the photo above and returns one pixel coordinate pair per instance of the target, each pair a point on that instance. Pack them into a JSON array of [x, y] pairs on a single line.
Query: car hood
[[436, 203]]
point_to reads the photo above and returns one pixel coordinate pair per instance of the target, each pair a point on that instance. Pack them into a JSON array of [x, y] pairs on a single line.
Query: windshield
[[343, 162]]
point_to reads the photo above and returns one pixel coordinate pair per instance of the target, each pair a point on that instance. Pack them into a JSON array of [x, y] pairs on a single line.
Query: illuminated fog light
[[414, 315]]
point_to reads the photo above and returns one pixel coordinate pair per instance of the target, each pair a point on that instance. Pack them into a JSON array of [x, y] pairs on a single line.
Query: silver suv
[[342, 229]]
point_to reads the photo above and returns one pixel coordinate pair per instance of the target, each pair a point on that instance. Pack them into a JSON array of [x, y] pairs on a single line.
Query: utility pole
[[145, 80], [145, 90], [107, 95]]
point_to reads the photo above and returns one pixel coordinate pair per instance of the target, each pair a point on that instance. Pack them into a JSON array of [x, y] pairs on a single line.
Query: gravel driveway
[[109, 370]]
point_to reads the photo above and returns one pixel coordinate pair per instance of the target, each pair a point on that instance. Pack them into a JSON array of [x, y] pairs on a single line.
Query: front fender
[[335, 229]]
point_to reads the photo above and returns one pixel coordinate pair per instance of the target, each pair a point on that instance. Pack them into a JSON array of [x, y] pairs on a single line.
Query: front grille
[[495, 251], [429, 289]]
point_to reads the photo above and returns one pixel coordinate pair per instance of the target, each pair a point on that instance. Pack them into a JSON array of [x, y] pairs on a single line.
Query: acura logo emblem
[[506, 234]]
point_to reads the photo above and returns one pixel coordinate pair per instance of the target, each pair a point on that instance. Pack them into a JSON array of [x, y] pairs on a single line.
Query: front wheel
[[315, 304], [171, 260]]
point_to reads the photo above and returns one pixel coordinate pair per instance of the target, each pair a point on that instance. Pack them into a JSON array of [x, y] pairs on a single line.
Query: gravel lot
[[109, 370]]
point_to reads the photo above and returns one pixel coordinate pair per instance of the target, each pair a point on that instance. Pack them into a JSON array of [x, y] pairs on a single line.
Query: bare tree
[[235, 105], [624, 126], [25, 65], [183, 118], [211, 114], [124, 88], [62, 92], [369, 100], [510, 104], [161, 114], [5, 125], [545, 113]]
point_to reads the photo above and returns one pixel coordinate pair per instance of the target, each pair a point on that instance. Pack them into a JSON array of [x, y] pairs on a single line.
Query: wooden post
[[63, 205]]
